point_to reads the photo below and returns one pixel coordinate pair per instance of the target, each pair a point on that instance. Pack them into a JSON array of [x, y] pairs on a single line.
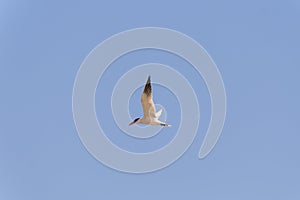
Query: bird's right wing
[[147, 101]]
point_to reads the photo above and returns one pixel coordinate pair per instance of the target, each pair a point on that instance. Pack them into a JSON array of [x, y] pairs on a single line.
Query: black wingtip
[[164, 124], [148, 89], [149, 79]]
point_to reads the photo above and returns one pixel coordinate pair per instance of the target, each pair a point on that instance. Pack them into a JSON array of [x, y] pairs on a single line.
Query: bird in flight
[[150, 115]]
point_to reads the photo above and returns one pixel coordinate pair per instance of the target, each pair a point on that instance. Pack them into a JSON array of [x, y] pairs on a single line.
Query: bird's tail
[[158, 114]]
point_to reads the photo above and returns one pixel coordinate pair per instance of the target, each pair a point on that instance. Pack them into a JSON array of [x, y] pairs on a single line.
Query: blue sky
[[256, 47]]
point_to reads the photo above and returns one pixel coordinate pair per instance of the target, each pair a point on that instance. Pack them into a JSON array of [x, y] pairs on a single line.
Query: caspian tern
[[150, 115]]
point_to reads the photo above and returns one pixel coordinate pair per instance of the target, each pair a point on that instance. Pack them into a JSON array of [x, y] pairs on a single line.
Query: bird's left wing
[[147, 101]]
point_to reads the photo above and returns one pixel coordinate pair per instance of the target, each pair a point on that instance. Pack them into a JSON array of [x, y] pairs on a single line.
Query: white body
[[152, 119]]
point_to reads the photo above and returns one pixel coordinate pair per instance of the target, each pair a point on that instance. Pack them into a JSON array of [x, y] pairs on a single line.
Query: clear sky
[[256, 47]]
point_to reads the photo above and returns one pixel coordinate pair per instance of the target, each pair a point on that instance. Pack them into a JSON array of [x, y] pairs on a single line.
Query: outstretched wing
[[147, 101]]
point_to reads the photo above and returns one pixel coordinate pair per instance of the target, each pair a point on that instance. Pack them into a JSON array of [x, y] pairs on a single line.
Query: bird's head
[[134, 121]]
